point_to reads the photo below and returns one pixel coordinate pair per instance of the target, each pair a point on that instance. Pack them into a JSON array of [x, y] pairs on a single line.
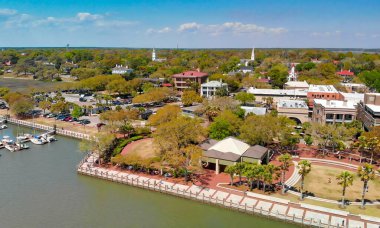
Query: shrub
[[120, 146]]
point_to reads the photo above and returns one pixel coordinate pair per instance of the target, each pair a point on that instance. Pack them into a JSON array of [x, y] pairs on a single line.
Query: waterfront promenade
[[248, 202]]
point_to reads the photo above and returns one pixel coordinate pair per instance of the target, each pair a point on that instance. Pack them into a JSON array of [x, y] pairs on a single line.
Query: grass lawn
[[369, 210], [144, 148], [317, 182], [24, 85]]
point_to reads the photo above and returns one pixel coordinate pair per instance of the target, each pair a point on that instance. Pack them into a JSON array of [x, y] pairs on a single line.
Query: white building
[[154, 57], [333, 111], [210, 88], [120, 69], [277, 94], [245, 62], [292, 74]]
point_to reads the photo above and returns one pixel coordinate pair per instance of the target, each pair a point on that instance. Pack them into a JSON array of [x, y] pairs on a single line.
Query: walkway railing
[[86, 167], [48, 128]]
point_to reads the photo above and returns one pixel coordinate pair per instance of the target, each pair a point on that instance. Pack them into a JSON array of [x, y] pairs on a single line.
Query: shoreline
[[250, 203]]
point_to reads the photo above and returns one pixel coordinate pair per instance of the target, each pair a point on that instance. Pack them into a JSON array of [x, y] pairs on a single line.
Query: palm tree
[[285, 160], [345, 179], [304, 167], [366, 173], [239, 170], [249, 172], [270, 173], [231, 170]]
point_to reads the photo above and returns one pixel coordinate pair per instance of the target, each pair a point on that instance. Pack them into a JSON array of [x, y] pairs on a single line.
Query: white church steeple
[[292, 74], [153, 55], [253, 54]]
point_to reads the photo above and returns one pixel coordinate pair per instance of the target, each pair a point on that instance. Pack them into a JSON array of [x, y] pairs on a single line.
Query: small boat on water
[[2, 145], [12, 147], [38, 140], [24, 138], [49, 138], [22, 146], [3, 126], [6, 140]]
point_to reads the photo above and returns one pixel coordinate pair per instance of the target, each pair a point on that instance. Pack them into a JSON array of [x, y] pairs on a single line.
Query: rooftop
[[303, 84], [292, 104], [336, 104], [230, 145], [374, 108], [255, 110], [345, 73], [192, 73], [322, 88], [354, 97], [214, 84], [352, 85], [284, 92]]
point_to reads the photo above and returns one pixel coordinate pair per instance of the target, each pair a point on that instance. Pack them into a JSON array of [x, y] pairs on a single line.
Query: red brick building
[[183, 80]]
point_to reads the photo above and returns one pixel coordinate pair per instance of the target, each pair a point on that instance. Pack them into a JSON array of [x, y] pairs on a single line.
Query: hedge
[[120, 146]]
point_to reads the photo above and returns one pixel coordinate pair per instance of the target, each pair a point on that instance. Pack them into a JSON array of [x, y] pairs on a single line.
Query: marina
[[31, 198]]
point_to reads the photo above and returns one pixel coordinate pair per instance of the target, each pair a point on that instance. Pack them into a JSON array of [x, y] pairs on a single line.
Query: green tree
[[270, 173], [278, 75], [286, 162], [366, 172], [345, 179], [22, 106], [77, 111], [189, 97], [3, 91], [165, 114], [127, 129], [226, 124], [304, 168], [44, 105], [245, 97]]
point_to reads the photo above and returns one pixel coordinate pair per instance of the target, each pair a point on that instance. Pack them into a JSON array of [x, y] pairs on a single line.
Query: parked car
[[67, 119], [85, 122], [51, 115], [82, 99]]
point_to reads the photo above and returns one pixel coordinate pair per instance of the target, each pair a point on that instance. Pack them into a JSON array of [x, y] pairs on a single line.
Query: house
[[333, 111], [119, 69], [369, 110], [210, 88], [229, 151], [346, 74], [246, 69], [183, 80]]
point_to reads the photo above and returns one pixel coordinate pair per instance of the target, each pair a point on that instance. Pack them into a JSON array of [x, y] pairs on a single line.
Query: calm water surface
[[40, 188]]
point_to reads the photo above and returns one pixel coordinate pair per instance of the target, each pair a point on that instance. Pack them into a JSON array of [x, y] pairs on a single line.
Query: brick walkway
[[246, 202]]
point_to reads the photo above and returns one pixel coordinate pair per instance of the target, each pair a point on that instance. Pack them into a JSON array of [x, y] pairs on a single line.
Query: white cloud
[[159, 31], [230, 27], [7, 12], [375, 35], [81, 19], [326, 34], [189, 27], [358, 34], [88, 17]]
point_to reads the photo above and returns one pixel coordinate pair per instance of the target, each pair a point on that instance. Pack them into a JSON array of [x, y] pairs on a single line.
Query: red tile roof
[[191, 73], [265, 80], [166, 85], [345, 73]]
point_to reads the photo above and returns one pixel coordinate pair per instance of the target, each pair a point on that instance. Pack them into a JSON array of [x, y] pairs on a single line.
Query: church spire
[[253, 54]]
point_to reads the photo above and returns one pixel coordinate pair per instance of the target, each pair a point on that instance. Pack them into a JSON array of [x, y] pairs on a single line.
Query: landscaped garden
[[322, 182]]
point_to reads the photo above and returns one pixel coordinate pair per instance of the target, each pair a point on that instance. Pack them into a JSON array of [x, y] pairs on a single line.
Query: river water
[[39, 187]]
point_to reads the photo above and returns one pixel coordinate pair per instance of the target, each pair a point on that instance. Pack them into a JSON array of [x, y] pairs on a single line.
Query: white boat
[[6, 140], [22, 146], [3, 126], [2, 145], [49, 138], [38, 141], [24, 138], [12, 147]]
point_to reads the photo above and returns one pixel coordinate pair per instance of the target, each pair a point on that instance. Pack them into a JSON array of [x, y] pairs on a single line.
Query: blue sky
[[191, 24]]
